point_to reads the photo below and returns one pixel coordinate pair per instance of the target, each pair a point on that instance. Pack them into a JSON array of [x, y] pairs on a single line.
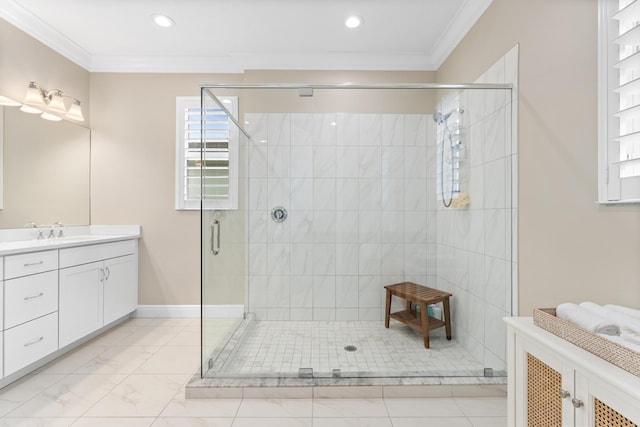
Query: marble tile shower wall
[[359, 189], [476, 256]]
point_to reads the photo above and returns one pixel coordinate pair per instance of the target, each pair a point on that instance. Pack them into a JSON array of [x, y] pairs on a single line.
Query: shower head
[[439, 117]]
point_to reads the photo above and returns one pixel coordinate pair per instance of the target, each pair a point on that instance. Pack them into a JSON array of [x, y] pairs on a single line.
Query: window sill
[[619, 202]]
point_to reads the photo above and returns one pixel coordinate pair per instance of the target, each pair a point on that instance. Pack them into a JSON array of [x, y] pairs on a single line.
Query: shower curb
[[278, 387]]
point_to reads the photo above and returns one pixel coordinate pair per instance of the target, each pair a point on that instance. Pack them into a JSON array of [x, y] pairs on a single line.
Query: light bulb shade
[[75, 112], [56, 103], [51, 117], [34, 96], [8, 102], [29, 109]]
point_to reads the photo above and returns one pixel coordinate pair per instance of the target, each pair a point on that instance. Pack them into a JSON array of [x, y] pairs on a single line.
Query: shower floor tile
[[283, 347]]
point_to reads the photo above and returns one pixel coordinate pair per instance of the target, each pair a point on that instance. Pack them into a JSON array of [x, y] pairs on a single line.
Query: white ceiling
[[236, 35]]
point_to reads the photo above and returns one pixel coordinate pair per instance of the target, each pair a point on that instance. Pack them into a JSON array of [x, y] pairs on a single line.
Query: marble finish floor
[[135, 375], [284, 347]]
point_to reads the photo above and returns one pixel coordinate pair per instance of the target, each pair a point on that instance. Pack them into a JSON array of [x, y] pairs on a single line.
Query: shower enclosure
[[314, 197]]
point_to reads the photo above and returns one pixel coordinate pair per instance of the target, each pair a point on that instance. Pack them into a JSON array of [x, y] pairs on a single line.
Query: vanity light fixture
[[50, 104], [75, 111], [51, 117], [353, 21], [163, 21], [33, 102]]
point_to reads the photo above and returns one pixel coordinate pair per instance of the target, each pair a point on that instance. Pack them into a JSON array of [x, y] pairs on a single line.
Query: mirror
[[45, 170]]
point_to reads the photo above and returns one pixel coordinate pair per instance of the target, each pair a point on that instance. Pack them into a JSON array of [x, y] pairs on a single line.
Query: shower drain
[[350, 348]]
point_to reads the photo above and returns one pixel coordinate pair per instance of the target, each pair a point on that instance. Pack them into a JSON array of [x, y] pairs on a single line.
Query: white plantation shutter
[[619, 100], [207, 151]]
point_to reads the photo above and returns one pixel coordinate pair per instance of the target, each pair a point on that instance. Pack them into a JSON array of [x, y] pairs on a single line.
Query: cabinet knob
[[564, 394], [577, 403]]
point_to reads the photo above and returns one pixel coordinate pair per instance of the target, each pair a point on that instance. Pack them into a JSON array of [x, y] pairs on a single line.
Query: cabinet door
[[120, 287], [81, 309], [603, 405], [544, 387]]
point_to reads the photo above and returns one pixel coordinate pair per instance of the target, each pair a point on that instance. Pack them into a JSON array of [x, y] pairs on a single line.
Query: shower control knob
[[279, 214]]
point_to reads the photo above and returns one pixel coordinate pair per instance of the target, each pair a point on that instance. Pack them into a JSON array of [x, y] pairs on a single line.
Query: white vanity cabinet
[[98, 285], [30, 308], [57, 293], [555, 383]]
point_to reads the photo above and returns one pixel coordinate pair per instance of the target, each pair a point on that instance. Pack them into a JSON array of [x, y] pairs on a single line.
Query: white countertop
[[23, 240]]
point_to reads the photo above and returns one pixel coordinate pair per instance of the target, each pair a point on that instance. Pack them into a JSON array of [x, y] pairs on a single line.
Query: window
[[619, 101], [220, 156]]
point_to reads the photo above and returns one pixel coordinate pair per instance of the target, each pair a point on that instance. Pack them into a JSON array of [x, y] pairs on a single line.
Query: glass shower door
[[222, 223]]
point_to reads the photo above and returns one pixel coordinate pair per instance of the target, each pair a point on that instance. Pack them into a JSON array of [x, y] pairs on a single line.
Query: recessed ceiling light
[[163, 21], [353, 21]]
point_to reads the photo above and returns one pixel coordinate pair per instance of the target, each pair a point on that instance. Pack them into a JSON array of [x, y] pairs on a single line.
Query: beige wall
[[24, 59], [570, 249]]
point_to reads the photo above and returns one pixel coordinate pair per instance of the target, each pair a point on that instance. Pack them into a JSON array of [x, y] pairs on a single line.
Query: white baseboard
[[216, 311]]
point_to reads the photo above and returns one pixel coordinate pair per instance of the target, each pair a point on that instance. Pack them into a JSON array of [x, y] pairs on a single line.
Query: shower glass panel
[[341, 192], [221, 171]]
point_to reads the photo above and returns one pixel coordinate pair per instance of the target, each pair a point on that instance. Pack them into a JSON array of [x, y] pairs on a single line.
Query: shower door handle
[[215, 237]]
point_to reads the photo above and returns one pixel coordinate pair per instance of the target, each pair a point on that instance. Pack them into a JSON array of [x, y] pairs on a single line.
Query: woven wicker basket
[[612, 352]]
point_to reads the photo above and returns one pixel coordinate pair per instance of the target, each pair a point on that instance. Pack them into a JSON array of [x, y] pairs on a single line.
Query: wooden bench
[[422, 296]]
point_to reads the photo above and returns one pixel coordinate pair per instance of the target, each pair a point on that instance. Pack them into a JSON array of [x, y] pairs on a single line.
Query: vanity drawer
[[91, 253], [30, 263], [29, 342], [29, 297]]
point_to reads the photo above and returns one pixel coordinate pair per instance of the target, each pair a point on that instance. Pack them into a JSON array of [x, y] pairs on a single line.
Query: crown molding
[[466, 17], [239, 62], [22, 19]]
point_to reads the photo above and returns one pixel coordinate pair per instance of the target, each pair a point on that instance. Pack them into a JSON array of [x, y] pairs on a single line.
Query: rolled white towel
[[632, 312], [617, 317], [622, 342], [630, 335], [586, 319]]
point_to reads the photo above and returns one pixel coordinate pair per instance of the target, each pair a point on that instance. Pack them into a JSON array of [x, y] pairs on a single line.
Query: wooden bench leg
[[447, 318], [388, 310], [424, 315]]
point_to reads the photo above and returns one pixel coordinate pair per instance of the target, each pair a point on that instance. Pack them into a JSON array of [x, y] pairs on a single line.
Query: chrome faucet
[[55, 225], [30, 224]]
